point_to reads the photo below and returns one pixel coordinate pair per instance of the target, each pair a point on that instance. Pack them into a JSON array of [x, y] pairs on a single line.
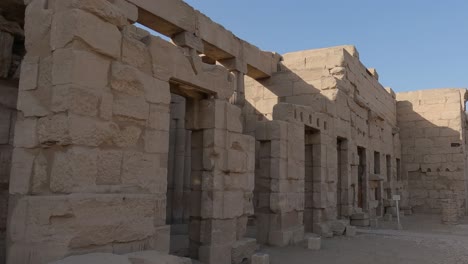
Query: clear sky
[[413, 44]]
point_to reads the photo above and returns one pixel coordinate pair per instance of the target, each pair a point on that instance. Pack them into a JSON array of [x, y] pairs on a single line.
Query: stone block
[[109, 165], [101, 8], [127, 136], [388, 217], [241, 227], [26, 133], [54, 130], [212, 114], [280, 238], [350, 231], [74, 99], [188, 39], [75, 24], [31, 105], [162, 237], [156, 141], [159, 117], [142, 171], [312, 242], [136, 53], [82, 68], [132, 81], [130, 10], [106, 104], [38, 20], [127, 218], [260, 258], [243, 249], [90, 132], [74, 170], [338, 227], [130, 107], [21, 170], [233, 118], [29, 73]]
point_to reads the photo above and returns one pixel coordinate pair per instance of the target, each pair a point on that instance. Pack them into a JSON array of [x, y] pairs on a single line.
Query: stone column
[[222, 181], [450, 210], [90, 162], [238, 68], [280, 205]]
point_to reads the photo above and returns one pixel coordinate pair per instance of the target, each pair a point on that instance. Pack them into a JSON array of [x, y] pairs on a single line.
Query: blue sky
[[413, 44]]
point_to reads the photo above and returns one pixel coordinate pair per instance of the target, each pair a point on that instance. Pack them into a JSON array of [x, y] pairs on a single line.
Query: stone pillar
[[222, 181], [90, 162], [280, 204], [177, 161], [450, 210], [238, 68], [238, 98]]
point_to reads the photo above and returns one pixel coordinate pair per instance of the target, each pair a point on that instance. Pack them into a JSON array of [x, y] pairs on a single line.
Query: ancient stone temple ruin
[[115, 140]]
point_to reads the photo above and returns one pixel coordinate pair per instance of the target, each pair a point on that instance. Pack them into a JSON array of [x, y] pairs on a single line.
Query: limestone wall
[[433, 149], [355, 109], [90, 163]]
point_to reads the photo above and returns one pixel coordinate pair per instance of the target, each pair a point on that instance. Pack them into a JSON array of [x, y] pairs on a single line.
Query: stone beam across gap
[[171, 17]]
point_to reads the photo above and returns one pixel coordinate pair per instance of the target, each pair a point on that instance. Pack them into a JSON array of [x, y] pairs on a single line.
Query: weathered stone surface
[[134, 51], [25, 136], [73, 170], [350, 231], [29, 73], [130, 107], [144, 171], [21, 171], [312, 242], [85, 220], [101, 8], [30, 105], [127, 136], [131, 81], [38, 21], [109, 163], [54, 130], [75, 24], [74, 99], [243, 249], [80, 68], [90, 132]]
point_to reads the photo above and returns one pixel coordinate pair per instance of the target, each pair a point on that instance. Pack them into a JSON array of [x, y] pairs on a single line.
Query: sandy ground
[[423, 240]]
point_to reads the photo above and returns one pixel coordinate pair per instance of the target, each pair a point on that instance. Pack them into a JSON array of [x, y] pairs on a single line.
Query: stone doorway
[[342, 174], [185, 170], [179, 178], [362, 168], [312, 177]]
